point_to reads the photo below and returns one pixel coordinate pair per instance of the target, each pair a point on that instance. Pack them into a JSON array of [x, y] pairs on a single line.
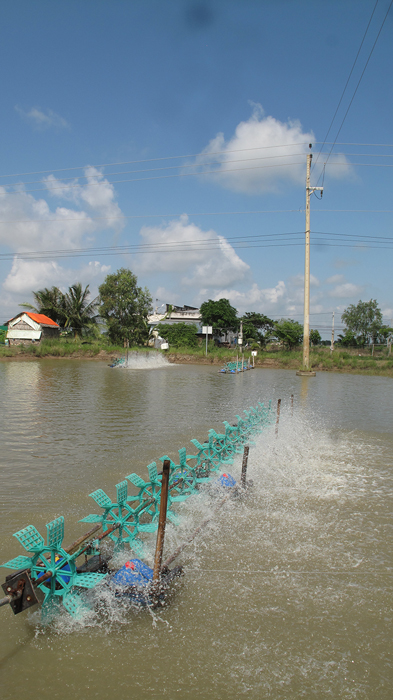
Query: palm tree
[[50, 302], [79, 313]]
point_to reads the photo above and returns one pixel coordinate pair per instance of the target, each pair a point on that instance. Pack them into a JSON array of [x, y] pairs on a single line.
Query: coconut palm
[[50, 302], [79, 312]]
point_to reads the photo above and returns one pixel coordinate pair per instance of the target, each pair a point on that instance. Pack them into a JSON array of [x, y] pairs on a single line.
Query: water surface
[[287, 595]]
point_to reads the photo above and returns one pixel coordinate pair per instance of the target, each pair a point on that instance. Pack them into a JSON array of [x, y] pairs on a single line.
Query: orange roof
[[42, 319]]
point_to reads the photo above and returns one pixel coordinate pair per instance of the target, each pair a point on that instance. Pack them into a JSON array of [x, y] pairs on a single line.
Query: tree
[[219, 314], [50, 302], [125, 307], [179, 334], [253, 326], [364, 320], [79, 312], [315, 337], [289, 332]]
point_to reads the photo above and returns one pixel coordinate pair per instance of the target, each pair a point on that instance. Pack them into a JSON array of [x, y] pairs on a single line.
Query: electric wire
[[47, 182], [157, 177], [346, 84], [359, 81], [196, 244]]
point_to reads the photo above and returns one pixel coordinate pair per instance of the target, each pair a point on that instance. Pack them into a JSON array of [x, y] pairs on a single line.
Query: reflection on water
[[289, 592]]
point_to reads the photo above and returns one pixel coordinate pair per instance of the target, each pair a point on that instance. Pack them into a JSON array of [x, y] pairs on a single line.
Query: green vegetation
[[257, 328], [289, 332], [70, 310], [125, 308], [320, 358], [363, 324], [220, 315], [179, 334]]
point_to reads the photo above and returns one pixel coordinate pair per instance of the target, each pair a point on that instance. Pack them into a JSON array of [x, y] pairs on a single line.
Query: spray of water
[[144, 360], [284, 582]]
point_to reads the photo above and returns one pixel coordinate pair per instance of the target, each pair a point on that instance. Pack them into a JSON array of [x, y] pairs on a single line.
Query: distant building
[[177, 314], [28, 328], [172, 315]]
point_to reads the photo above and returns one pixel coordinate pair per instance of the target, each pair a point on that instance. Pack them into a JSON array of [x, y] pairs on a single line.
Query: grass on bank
[[320, 358]]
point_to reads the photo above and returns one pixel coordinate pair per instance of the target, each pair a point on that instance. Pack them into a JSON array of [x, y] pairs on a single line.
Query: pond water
[[287, 594]]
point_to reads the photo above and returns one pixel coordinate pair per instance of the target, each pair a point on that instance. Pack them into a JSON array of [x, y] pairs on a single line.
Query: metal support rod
[[162, 520], [5, 601], [244, 466], [75, 545], [278, 414]]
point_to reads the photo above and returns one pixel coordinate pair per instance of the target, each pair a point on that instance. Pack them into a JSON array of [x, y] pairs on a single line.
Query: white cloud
[[43, 120], [200, 258], [335, 279], [26, 275], [30, 224], [298, 281], [341, 291], [262, 300], [269, 152]]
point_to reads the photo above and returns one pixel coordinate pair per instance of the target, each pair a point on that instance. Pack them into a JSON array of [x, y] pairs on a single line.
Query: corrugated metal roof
[[42, 319]]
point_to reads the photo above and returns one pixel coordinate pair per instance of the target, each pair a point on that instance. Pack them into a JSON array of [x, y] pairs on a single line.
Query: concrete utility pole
[[306, 323], [332, 343]]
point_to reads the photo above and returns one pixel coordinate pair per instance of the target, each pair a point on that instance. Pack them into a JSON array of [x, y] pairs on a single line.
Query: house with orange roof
[[29, 328]]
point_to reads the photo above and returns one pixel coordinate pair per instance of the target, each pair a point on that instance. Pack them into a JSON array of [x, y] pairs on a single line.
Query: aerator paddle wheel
[[52, 569]]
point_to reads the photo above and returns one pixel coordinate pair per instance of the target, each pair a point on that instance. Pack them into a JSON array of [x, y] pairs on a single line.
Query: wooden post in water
[[161, 521], [278, 415], [244, 466], [291, 404]]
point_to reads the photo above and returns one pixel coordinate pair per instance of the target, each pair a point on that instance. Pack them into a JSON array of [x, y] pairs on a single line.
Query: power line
[[216, 173], [198, 242], [180, 249], [151, 160], [360, 79], [167, 167], [158, 177], [200, 213], [346, 84], [191, 165]]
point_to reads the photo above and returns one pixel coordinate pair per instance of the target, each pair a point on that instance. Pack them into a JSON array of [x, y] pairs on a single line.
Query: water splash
[[143, 360]]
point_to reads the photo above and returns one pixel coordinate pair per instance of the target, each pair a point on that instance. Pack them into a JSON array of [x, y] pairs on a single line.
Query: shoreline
[[183, 358]]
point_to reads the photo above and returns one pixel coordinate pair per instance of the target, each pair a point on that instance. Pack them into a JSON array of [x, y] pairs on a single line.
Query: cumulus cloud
[[26, 275], [263, 153], [298, 281], [346, 290], [335, 279], [198, 256], [256, 299], [32, 225], [43, 120]]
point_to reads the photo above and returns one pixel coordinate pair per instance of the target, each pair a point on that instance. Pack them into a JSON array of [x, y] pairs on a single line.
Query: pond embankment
[[321, 359]]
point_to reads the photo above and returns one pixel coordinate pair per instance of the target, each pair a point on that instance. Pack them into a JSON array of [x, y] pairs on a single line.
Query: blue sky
[[246, 85]]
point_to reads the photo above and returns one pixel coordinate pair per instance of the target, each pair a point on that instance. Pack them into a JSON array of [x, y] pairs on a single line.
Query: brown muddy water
[[287, 595]]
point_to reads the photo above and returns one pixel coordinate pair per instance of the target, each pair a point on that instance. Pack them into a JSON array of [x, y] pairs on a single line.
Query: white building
[[28, 328]]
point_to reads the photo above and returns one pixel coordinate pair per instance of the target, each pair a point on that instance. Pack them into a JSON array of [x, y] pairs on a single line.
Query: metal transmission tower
[[306, 330]]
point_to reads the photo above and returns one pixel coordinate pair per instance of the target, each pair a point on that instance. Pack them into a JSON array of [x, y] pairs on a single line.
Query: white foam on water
[[284, 590], [144, 360]]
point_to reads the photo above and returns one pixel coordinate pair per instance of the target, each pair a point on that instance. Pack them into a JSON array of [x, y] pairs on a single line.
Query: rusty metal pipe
[[244, 466], [162, 520], [278, 415]]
